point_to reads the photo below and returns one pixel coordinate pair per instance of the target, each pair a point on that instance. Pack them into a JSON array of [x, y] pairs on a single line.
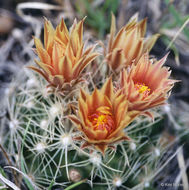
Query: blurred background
[[20, 20]]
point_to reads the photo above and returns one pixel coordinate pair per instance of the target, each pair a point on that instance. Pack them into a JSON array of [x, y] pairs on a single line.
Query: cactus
[[46, 152]]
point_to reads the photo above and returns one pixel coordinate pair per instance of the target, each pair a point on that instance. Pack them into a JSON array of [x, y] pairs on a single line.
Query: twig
[[177, 34], [182, 167], [7, 157], [5, 154], [76, 184], [8, 183]]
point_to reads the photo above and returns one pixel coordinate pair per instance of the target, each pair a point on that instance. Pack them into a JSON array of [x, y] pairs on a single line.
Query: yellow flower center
[[102, 120], [142, 89]]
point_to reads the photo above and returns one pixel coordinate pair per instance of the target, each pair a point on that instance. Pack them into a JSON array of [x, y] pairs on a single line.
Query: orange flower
[[62, 59], [128, 45], [147, 84], [102, 117]]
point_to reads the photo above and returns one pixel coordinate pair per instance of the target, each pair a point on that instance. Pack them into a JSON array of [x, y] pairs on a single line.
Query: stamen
[[142, 89], [102, 120]]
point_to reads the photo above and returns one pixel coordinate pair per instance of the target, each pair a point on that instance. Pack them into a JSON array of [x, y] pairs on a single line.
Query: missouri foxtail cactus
[[98, 137]]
